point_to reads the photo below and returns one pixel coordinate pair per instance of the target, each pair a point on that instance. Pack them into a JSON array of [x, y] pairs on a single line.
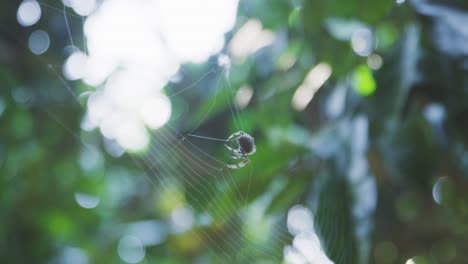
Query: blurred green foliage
[[379, 155]]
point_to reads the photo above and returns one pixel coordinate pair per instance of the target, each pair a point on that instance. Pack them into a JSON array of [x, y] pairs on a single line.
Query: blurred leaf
[[333, 219], [288, 195], [364, 82]]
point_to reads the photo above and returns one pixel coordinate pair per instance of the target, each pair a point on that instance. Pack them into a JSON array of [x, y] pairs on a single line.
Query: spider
[[246, 146]]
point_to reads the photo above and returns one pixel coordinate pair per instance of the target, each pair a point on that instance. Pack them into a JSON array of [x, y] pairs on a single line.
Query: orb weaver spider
[[246, 146]]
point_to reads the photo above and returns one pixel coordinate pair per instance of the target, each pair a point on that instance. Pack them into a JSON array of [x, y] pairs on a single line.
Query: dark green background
[[307, 158]]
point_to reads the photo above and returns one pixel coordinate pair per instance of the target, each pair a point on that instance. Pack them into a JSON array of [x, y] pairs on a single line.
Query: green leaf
[[364, 82], [333, 221], [288, 195]]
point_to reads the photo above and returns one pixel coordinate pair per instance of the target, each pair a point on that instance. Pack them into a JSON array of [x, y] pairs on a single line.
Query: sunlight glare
[[83, 7], [156, 111], [98, 110], [316, 77], [98, 69], [293, 256], [194, 30], [135, 62], [132, 135], [128, 101], [137, 43], [127, 90], [308, 244]]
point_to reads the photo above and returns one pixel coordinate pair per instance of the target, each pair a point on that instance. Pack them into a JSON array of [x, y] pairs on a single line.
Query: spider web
[[192, 172]]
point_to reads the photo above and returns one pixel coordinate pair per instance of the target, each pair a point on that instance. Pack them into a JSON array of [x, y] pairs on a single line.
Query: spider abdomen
[[246, 143]]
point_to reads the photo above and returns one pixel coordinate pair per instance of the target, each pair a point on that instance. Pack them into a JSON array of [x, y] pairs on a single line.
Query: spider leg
[[235, 136], [234, 151], [239, 165], [237, 154], [229, 148]]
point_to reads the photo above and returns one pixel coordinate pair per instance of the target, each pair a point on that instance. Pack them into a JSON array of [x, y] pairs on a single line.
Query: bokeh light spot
[[38, 42], [73, 255], [182, 219], [195, 29], [150, 232], [29, 12], [91, 158], [374, 61], [361, 41], [75, 66], [131, 249], [224, 62], [441, 190], [418, 260], [243, 96], [293, 256], [87, 201], [132, 136], [434, 113], [300, 219], [249, 38], [21, 95], [314, 79]]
